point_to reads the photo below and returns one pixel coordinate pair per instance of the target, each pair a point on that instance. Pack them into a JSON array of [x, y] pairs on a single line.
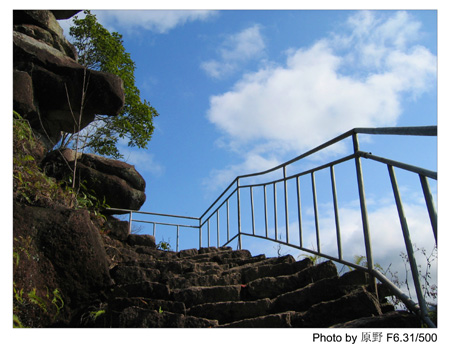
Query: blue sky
[[241, 91]]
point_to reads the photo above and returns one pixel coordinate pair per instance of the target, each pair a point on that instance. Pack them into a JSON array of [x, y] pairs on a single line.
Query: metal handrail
[[233, 192]]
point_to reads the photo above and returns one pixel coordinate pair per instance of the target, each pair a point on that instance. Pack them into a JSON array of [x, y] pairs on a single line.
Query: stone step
[[136, 317], [206, 280], [270, 287], [197, 295], [230, 311], [325, 314], [221, 287], [123, 274], [145, 289], [299, 300], [357, 304], [271, 269]]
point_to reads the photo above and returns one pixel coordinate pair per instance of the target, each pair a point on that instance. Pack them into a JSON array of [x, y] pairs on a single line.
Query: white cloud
[[236, 50], [159, 21], [135, 21], [142, 160], [344, 81]]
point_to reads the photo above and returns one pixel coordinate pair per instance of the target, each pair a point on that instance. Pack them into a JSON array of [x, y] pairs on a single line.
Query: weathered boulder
[[141, 240], [50, 94], [64, 14], [58, 249], [117, 182]]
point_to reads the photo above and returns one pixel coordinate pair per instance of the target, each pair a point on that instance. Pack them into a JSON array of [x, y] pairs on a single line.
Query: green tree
[[98, 49]]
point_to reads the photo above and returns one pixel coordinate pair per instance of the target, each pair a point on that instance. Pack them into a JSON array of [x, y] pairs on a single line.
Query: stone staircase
[[221, 287]]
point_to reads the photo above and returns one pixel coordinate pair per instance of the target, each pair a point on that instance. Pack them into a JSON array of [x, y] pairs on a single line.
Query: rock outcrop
[[48, 83], [57, 251], [115, 182], [129, 283]]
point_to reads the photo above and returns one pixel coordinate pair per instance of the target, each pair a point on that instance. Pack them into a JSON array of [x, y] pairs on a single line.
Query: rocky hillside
[[106, 282]]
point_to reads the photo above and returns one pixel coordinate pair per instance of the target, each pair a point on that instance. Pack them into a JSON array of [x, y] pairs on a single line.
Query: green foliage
[[98, 49], [30, 185], [314, 258], [33, 187], [24, 300], [96, 314], [49, 303], [164, 245]]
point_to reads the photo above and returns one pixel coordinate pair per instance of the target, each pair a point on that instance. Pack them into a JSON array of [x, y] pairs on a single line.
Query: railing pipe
[[336, 211], [228, 221], [411, 168], [218, 233], [178, 238], [265, 212], [203, 219], [165, 223], [299, 210], [207, 227], [239, 213], [415, 131], [275, 209], [199, 234], [316, 211], [252, 209], [286, 210], [362, 200], [130, 222], [236, 180], [408, 243], [154, 229], [430, 204]]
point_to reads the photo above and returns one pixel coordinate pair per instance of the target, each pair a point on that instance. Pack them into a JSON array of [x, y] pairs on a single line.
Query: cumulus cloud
[[236, 50], [159, 21], [133, 21], [357, 77], [142, 160]]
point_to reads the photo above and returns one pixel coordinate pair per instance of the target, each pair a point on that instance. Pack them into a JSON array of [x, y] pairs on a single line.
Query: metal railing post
[[178, 237], [130, 222], [362, 201], [430, 204], [199, 233], [286, 210], [218, 233], [253, 210], [299, 213], [228, 222], [275, 209], [336, 211], [408, 243], [154, 229], [265, 211], [207, 228], [239, 214], [316, 212]]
